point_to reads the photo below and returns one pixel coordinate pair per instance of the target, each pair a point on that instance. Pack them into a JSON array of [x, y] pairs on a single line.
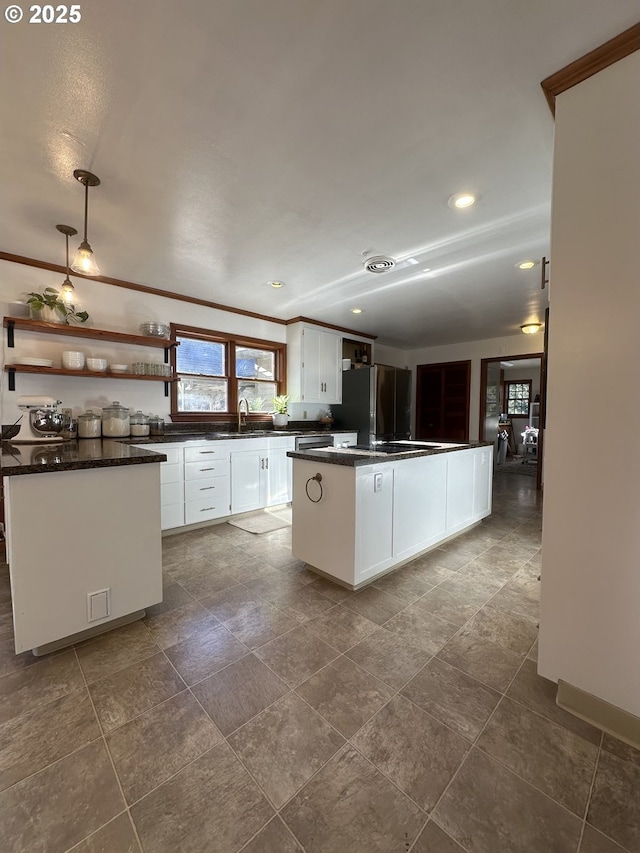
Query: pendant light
[[84, 261], [67, 287]]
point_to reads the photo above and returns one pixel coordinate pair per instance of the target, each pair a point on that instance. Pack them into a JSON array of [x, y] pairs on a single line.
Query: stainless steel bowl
[[45, 422]]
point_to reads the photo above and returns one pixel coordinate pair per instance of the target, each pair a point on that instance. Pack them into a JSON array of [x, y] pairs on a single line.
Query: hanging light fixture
[[84, 261], [67, 287], [531, 328]]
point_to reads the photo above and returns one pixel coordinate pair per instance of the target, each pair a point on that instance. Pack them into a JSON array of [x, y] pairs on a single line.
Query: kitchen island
[[359, 513], [83, 538]]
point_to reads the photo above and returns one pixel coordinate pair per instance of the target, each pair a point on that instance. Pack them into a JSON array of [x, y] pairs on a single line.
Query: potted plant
[[50, 307], [281, 413]]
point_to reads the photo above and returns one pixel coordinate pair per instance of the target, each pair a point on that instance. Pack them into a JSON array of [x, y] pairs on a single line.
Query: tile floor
[[260, 708]]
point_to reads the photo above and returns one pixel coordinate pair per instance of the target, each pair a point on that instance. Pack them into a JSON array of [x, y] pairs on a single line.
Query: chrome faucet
[[242, 421]]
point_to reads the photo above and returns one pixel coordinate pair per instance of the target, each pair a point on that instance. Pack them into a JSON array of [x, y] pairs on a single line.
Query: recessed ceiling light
[[276, 283], [526, 265], [462, 200], [427, 269], [531, 328], [356, 310]]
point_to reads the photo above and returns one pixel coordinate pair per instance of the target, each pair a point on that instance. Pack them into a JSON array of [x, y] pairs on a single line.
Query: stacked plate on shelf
[[34, 362]]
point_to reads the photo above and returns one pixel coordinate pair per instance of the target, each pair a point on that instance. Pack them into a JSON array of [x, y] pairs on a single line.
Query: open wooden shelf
[[28, 325], [60, 371]]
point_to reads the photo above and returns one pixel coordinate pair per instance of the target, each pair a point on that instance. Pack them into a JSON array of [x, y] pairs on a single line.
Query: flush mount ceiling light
[[531, 328], [356, 310], [276, 283], [460, 201], [84, 261], [526, 265], [67, 287]]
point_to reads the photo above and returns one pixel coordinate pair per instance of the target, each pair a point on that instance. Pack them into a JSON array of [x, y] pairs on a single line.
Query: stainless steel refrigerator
[[376, 401]]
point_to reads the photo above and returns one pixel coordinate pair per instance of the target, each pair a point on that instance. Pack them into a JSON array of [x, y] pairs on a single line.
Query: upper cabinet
[[314, 364]]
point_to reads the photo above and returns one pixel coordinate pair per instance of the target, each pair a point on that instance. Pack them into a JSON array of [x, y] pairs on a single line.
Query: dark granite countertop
[[72, 456], [354, 458], [182, 436]]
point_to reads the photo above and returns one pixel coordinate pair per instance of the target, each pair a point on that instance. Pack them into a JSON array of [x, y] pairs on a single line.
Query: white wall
[[590, 617], [475, 351], [113, 308]]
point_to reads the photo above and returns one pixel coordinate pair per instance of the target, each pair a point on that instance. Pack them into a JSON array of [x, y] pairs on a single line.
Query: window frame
[[507, 384], [230, 342]]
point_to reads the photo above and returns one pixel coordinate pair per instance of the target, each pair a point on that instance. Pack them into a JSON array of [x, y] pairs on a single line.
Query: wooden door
[[442, 401]]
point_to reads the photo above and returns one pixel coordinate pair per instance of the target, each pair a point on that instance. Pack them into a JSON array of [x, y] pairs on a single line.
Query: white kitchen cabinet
[[372, 518], [460, 489], [261, 474], [314, 364], [171, 484], [482, 480], [278, 471], [249, 476], [207, 481]]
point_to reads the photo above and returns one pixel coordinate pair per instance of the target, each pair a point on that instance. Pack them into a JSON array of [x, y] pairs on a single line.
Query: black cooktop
[[385, 448]]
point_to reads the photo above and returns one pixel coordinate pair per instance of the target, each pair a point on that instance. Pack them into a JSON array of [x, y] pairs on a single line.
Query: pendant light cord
[[86, 208]]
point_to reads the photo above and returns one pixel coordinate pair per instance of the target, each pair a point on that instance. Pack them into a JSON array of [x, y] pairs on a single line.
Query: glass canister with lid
[[139, 423], [156, 425], [89, 425], [116, 421]]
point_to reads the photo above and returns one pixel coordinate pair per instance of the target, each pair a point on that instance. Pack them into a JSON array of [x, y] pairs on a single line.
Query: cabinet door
[[331, 368], [482, 481], [321, 367], [460, 476], [248, 479], [278, 470], [419, 510]]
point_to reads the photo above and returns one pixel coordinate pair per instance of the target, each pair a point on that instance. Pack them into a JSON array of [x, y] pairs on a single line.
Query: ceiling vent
[[379, 263]]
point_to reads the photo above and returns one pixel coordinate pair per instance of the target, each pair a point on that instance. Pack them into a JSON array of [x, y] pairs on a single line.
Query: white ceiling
[[244, 140]]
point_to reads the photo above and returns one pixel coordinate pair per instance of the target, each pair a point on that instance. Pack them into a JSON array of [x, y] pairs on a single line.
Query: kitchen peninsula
[[358, 513], [83, 538]]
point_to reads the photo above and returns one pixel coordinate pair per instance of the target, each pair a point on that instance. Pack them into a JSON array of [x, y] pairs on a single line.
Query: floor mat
[[264, 520], [514, 465]]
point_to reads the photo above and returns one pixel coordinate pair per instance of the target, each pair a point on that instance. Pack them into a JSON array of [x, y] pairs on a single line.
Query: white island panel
[[419, 508], [97, 529]]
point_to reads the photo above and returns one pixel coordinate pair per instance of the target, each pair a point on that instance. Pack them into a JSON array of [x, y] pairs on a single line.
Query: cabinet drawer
[[210, 488], [205, 453], [172, 516], [207, 508], [206, 468], [172, 493], [173, 452], [170, 472]]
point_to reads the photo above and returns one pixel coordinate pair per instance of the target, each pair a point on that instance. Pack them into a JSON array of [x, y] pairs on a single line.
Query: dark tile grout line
[[108, 751]]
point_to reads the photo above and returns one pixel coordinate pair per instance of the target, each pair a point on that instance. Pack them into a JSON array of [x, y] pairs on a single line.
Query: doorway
[[442, 401], [511, 403]]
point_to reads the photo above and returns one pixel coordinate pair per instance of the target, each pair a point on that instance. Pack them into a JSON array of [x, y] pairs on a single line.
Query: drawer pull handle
[[207, 509], [205, 488], [205, 452], [207, 469]]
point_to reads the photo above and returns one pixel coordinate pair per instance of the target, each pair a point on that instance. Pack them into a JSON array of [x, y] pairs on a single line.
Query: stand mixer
[[44, 422]]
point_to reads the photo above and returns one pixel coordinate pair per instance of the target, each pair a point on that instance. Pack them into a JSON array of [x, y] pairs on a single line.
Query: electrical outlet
[[377, 482], [304, 415]]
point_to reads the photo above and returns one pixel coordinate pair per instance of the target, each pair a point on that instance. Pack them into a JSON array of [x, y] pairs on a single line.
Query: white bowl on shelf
[[73, 360], [97, 365], [119, 368]]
